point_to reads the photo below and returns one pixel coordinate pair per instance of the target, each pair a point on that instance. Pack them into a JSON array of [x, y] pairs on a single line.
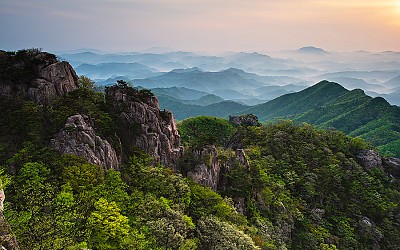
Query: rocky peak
[[142, 124], [35, 75], [244, 120], [369, 159], [78, 137], [210, 166]]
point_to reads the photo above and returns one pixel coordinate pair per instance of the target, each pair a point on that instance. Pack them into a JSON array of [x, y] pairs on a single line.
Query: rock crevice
[[143, 125], [37, 76], [78, 137]]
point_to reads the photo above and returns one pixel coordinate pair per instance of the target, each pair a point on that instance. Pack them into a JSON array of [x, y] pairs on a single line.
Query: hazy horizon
[[208, 25]]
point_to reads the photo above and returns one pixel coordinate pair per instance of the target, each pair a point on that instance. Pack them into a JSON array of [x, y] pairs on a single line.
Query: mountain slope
[[329, 105], [183, 110], [199, 80], [393, 83], [279, 186], [289, 105], [180, 93]]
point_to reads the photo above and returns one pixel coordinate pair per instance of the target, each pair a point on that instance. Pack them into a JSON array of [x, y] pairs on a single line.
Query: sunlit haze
[[206, 25]]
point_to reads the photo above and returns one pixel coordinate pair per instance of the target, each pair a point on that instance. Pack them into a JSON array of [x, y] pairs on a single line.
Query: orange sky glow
[[204, 25]]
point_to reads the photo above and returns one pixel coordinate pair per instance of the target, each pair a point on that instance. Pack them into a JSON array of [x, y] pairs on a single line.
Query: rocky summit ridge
[[35, 75]]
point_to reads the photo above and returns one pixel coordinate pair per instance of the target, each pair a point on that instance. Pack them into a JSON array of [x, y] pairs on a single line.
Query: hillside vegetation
[[329, 105], [301, 187], [304, 189]]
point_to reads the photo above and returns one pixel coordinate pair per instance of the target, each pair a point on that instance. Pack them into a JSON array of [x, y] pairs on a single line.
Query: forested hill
[[329, 105], [88, 170]]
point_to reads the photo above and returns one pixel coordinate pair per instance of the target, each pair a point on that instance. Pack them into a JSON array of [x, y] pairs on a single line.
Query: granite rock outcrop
[[244, 120], [208, 170], [35, 75], [142, 124], [211, 167], [78, 137]]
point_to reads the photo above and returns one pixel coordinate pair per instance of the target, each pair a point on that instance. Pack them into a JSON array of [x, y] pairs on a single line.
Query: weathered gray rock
[[79, 138], [392, 166], [369, 159], [241, 158], [7, 238], [2, 198], [244, 120], [54, 80], [368, 228], [210, 167], [317, 215], [47, 77], [142, 124], [208, 171], [240, 204]]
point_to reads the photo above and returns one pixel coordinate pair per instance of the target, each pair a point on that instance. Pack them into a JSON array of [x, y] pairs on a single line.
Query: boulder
[[369, 159], [78, 137], [244, 120]]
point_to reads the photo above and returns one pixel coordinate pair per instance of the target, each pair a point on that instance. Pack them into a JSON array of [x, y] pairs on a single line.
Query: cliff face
[[78, 137], [35, 75], [210, 166], [142, 124], [54, 80], [208, 170]]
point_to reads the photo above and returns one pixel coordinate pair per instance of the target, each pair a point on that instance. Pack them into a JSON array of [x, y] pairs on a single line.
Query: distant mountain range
[[326, 105], [272, 86], [312, 50], [249, 76], [107, 70]]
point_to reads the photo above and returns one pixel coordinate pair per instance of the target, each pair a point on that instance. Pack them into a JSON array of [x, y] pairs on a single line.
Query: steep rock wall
[[78, 137], [35, 75], [210, 166], [142, 124]]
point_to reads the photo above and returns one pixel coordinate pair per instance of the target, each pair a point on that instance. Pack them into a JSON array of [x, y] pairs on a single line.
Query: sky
[[200, 25]]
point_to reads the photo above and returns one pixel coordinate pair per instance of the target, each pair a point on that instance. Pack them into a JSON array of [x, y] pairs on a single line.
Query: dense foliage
[[22, 65], [308, 192], [204, 130], [329, 105], [63, 202], [303, 188]]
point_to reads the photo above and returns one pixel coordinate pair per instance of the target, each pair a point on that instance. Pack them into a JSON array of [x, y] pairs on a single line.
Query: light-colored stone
[[7, 238], [208, 171], [50, 78], [241, 158], [2, 198], [79, 138], [146, 127]]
